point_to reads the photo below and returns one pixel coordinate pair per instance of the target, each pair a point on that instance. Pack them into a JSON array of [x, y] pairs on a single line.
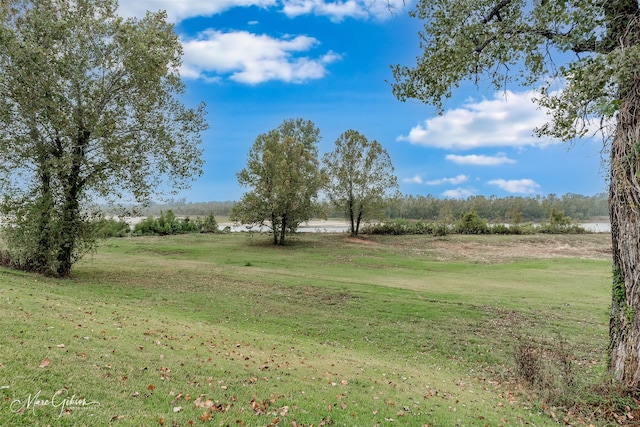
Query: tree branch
[[495, 12]]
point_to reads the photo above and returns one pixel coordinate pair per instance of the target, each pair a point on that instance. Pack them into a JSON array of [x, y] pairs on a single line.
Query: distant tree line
[[471, 223], [513, 209], [180, 207], [500, 209]]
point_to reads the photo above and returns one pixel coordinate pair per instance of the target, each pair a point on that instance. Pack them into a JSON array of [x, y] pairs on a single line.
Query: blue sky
[[256, 63]]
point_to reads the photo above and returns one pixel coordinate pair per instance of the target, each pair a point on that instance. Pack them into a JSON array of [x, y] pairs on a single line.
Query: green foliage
[[513, 210], [619, 289], [168, 224], [401, 227], [471, 223], [111, 227], [208, 224], [30, 238], [360, 178], [89, 107], [284, 178], [560, 223], [486, 41]]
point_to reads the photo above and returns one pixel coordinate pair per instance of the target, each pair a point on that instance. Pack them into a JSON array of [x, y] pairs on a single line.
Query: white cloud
[[454, 181], [506, 120], [177, 10], [339, 10], [252, 58], [520, 186], [480, 160], [416, 179], [459, 193]]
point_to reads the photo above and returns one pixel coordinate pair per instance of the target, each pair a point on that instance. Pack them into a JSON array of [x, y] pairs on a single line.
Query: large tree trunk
[[283, 228], [359, 220], [352, 228], [624, 206], [71, 220], [274, 228], [623, 31], [42, 261]]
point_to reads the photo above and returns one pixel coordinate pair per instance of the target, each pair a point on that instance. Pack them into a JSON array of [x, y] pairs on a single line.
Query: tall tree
[[89, 106], [284, 177], [599, 44], [361, 178]]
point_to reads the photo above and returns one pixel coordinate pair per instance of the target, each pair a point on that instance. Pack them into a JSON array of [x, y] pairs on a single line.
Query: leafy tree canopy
[[284, 179], [360, 178], [569, 50], [89, 106]]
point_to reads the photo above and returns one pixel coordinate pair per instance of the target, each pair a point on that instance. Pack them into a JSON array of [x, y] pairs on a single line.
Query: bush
[[106, 228], [500, 229], [168, 224], [208, 224], [401, 227], [471, 223]]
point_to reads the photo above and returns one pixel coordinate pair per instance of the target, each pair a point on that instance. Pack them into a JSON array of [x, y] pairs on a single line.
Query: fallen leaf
[[45, 362], [60, 346], [199, 403]]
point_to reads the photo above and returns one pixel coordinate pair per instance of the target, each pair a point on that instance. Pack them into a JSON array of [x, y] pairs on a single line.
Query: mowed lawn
[[230, 330]]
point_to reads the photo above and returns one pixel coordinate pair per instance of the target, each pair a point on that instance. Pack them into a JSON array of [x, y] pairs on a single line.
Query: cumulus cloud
[[519, 186], [251, 58], [454, 181], [507, 120], [459, 193], [418, 179], [178, 10], [480, 160], [339, 10]]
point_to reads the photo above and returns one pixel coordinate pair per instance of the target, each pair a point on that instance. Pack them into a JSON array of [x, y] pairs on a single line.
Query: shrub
[[208, 224], [471, 223], [111, 228], [165, 224], [401, 227], [500, 229]]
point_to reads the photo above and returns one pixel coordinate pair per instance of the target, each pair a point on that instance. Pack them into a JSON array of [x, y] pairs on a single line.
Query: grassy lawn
[[229, 330]]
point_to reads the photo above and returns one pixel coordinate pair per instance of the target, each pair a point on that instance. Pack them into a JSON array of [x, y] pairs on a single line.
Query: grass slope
[[229, 330]]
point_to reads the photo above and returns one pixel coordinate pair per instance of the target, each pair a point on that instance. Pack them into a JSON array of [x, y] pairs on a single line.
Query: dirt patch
[[492, 248]]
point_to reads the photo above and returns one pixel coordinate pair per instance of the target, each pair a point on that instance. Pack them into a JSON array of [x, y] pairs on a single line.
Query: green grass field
[[230, 330]]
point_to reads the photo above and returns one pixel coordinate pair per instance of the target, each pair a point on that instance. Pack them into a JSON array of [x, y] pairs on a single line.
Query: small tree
[[360, 178], [88, 107], [284, 176], [471, 223]]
